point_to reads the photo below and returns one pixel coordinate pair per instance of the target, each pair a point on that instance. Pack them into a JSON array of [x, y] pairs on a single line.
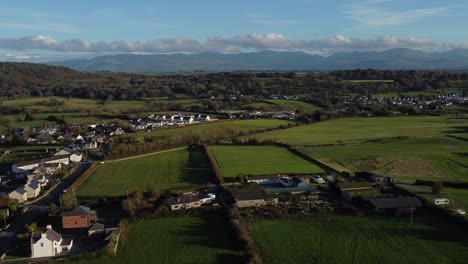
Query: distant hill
[[394, 59]]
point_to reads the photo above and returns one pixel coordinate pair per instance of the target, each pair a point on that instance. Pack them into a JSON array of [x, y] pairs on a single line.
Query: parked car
[[460, 211], [441, 201], [317, 179]]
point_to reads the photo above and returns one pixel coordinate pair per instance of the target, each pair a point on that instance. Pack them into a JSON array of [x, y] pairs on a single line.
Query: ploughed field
[[183, 168], [439, 158], [351, 239], [258, 160], [183, 239]]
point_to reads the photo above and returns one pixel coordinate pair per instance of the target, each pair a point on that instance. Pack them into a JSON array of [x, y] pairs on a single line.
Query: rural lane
[[148, 154], [38, 208]]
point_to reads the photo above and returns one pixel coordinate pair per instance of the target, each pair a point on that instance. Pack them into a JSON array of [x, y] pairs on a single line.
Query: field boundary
[[83, 177], [147, 154], [214, 164]]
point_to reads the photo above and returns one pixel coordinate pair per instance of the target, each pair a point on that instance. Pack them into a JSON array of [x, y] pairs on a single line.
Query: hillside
[[394, 59]]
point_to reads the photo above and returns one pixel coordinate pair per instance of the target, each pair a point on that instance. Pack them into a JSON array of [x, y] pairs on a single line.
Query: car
[[460, 211], [441, 201], [317, 179]]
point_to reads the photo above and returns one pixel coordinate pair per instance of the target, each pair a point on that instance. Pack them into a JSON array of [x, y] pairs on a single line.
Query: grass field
[[176, 169], [185, 239], [241, 125], [457, 197], [283, 105], [350, 130], [350, 239], [430, 158], [235, 160]]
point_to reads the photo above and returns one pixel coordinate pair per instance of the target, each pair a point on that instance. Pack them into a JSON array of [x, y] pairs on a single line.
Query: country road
[[38, 208]]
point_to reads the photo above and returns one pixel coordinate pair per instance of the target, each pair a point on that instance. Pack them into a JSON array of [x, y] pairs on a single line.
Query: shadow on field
[[211, 234], [435, 229], [196, 170], [457, 130]]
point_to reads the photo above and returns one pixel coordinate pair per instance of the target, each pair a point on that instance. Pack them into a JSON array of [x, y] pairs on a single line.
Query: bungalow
[[79, 217], [32, 188], [398, 206], [202, 118], [188, 119], [264, 179], [193, 200], [49, 244], [19, 194]]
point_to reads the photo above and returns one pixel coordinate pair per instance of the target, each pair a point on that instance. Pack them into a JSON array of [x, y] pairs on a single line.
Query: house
[[78, 217], [49, 244], [193, 200], [63, 152], [32, 188], [202, 118], [382, 178], [398, 205], [19, 194], [188, 119], [76, 156], [90, 145]]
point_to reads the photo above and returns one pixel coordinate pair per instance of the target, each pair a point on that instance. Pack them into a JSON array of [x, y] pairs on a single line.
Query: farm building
[[79, 217], [193, 200], [399, 205], [253, 198], [49, 244], [264, 179], [31, 165]]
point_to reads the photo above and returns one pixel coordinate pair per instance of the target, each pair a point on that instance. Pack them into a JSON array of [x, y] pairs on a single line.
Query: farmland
[[184, 239], [346, 239], [353, 130], [235, 160], [283, 105], [429, 158], [176, 169], [239, 125]]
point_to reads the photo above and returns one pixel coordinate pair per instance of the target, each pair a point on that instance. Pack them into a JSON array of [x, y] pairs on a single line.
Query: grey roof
[[33, 184], [264, 177], [79, 210], [66, 242], [187, 199], [20, 190], [25, 163], [96, 226], [52, 235], [391, 203]]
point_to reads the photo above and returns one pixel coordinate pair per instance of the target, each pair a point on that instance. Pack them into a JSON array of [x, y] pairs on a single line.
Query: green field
[[351, 239], [349, 130], [430, 158], [184, 239], [283, 105], [368, 81], [250, 125], [458, 197], [235, 160], [176, 169]]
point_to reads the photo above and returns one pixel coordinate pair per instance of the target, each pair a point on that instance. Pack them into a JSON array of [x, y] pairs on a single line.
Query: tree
[[437, 187]]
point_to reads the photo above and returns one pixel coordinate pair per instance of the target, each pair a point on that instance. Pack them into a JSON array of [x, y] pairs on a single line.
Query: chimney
[[49, 226]]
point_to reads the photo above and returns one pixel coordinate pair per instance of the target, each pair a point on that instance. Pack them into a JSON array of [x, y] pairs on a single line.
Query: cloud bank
[[243, 43]]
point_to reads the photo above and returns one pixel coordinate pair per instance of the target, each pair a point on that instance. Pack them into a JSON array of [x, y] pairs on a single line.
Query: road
[[148, 154], [38, 208]]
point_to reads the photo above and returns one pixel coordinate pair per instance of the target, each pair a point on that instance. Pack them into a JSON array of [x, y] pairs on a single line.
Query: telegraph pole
[[411, 208]]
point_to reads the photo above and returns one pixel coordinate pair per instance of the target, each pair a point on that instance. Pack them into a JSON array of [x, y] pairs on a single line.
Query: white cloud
[[369, 14], [242, 43]]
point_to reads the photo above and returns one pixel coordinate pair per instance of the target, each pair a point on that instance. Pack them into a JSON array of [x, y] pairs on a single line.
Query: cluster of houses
[[38, 173], [156, 121], [418, 101], [81, 218], [255, 114], [91, 138]]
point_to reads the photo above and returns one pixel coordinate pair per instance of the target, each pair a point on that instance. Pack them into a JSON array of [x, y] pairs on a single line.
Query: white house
[[49, 244], [31, 165], [76, 156], [32, 188], [19, 194], [188, 119], [65, 151]]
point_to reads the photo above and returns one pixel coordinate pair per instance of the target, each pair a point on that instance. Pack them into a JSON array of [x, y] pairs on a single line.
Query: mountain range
[[393, 59]]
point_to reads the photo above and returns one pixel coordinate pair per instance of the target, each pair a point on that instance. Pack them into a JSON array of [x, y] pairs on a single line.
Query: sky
[[55, 30]]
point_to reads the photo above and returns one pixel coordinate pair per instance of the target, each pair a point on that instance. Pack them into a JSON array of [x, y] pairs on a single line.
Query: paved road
[[38, 208]]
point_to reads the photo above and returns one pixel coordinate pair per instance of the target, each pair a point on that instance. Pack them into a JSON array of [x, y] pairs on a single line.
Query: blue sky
[[43, 30]]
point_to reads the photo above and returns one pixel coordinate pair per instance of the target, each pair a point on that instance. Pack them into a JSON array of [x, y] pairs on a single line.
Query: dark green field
[[184, 239], [236, 160], [177, 169], [347, 239]]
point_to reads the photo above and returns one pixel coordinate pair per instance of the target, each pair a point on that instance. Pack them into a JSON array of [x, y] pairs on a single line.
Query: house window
[[76, 223], [83, 216], [42, 244]]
